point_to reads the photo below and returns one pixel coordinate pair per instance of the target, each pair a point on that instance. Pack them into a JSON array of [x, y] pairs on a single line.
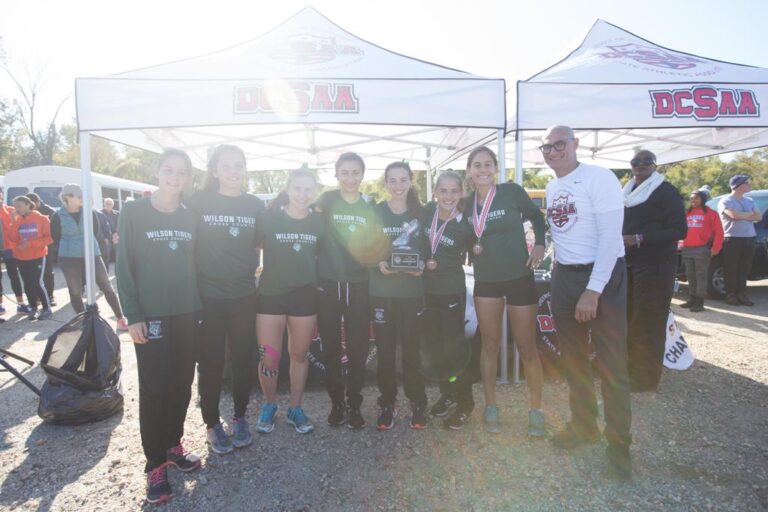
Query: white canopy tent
[[291, 96], [621, 92], [300, 94]]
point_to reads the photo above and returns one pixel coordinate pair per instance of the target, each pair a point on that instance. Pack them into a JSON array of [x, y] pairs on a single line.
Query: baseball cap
[[72, 189], [737, 181]]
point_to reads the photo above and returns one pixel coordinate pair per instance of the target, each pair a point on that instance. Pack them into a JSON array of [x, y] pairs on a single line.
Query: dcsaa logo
[[352, 228], [234, 231], [173, 244], [297, 247], [562, 211]]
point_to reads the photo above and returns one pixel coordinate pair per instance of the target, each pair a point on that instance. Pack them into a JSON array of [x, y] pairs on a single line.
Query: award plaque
[[404, 256]]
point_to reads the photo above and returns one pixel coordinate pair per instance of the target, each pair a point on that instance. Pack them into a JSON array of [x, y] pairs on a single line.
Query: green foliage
[[534, 178], [693, 174], [266, 182]]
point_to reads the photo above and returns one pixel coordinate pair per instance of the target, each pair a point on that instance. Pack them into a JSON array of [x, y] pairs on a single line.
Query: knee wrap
[[271, 370]]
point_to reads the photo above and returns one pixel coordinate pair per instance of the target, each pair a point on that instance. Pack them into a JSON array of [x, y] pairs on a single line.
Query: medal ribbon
[[436, 234], [479, 223]]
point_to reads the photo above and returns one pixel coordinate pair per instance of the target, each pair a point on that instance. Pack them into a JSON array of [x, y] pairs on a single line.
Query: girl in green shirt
[[504, 275], [226, 268], [156, 282], [290, 234], [397, 301]]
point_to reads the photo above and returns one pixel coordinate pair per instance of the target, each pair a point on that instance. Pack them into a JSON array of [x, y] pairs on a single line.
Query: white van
[[47, 180]]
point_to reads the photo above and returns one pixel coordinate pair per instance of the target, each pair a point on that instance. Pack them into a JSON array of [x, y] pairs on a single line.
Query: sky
[[499, 39]]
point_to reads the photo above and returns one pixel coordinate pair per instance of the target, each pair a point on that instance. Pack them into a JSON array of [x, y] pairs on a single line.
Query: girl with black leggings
[[226, 261], [157, 285], [397, 300]]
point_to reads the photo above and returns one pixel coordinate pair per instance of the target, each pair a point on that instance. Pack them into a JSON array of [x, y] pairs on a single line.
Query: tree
[[44, 139], [267, 182], [536, 179]]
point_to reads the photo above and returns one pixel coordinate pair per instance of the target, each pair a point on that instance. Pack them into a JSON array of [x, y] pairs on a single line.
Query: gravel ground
[[701, 443]]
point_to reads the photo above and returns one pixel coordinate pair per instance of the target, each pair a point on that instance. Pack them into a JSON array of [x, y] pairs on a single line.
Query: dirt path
[[701, 443]]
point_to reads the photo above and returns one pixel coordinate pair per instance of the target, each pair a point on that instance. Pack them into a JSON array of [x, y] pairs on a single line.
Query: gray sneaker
[[491, 419], [241, 435], [536, 423], [218, 440], [299, 420]]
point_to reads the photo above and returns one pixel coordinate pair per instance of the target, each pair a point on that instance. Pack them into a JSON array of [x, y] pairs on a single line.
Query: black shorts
[[298, 302], [518, 292]]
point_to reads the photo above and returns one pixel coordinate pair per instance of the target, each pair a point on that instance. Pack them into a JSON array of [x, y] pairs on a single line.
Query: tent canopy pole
[[87, 218]]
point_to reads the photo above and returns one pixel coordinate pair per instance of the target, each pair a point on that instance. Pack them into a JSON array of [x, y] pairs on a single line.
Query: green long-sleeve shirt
[[400, 285], [226, 246], [504, 249], [155, 267], [349, 248], [448, 277]]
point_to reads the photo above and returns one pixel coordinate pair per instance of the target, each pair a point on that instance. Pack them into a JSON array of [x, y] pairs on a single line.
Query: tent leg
[[504, 352], [519, 181], [87, 216], [429, 173]]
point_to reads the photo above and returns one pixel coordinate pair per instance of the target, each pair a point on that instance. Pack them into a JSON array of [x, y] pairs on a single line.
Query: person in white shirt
[[589, 294]]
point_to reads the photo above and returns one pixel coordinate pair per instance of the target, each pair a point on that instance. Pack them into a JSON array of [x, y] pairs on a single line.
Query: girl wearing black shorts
[[397, 301], [157, 285], [342, 270], [226, 264], [449, 236], [504, 272], [290, 235]]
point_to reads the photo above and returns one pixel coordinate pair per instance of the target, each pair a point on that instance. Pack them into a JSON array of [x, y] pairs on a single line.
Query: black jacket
[[661, 221]]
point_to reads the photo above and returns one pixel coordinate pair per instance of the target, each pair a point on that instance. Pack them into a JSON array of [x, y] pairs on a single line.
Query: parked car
[[759, 270]]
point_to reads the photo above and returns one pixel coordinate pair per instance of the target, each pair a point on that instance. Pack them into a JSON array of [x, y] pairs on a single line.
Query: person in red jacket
[[704, 241], [31, 236], [11, 263]]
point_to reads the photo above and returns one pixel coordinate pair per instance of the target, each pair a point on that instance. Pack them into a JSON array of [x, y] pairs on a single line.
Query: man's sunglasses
[[636, 162], [558, 146]]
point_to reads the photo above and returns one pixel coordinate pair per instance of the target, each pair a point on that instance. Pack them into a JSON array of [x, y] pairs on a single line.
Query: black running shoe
[[457, 420], [338, 415], [386, 417], [184, 461], [355, 418], [442, 406], [158, 487], [418, 417]]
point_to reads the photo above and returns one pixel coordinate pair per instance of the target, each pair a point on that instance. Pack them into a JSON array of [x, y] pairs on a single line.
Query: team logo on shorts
[[378, 315], [352, 228], [297, 247], [562, 214], [173, 244], [234, 231]]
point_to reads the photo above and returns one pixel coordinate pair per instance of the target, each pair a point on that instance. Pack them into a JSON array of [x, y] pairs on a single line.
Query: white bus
[[47, 180]]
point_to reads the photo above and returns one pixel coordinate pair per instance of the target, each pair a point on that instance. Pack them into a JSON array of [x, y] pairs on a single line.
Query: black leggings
[[450, 317], [166, 365], [350, 301], [12, 269], [232, 320], [398, 320], [32, 275], [74, 270]]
